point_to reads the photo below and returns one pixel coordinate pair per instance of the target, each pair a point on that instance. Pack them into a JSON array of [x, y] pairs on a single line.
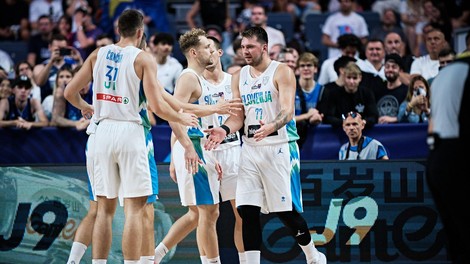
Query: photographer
[[416, 106], [44, 74]]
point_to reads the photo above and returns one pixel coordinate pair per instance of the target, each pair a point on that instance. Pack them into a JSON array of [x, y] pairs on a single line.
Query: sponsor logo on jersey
[[111, 98]]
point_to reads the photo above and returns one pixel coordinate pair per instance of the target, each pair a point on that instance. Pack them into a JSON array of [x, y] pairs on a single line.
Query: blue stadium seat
[[313, 35], [372, 19], [18, 50], [282, 21]]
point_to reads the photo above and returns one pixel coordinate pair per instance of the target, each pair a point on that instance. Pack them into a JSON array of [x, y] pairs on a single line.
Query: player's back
[[119, 95]]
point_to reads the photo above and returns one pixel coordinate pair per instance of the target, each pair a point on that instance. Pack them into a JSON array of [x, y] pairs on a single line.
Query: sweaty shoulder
[[144, 60]]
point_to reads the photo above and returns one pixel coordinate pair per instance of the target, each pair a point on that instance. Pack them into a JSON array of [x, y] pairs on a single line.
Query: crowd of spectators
[[381, 72]]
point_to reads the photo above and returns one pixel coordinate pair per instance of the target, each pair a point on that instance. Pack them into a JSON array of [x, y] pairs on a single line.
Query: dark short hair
[[216, 42], [395, 58], [257, 32], [349, 40], [164, 38], [341, 62], [129, 22]]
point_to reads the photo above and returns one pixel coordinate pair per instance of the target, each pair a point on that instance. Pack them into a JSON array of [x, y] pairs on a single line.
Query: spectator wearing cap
[[86, 33], [24, 68], [392, 92], [169, 68], [20, 110], [349, 45]]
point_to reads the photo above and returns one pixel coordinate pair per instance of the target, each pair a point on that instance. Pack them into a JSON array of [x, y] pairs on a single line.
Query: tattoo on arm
[[281, 120]]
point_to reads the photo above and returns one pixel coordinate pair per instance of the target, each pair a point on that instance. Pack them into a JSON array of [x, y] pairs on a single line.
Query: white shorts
[[229, 159], [201, 188], [119, 156], [270, 178]]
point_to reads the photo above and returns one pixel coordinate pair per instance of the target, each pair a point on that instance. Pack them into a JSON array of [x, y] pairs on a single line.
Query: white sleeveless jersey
[[216, 92], [118, 93], [196, 132], [261, 102]]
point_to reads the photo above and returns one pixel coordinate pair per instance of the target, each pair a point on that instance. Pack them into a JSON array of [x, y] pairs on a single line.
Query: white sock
[[311, 253], [214, 260], [203, 259], [242, 257], [76, 252], [131, 261], [160, 252], [253, 256], [147, 259], [99, 261]]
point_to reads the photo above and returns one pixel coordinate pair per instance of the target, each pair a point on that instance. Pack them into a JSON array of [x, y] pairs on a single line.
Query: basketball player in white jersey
[[118, 153], [269, 180], [196, 175], [218, 84]]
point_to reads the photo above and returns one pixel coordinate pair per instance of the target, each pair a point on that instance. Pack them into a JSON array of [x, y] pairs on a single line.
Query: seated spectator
[[338, 67], [388, 24], [349, 45], [259, 18], [238, 58], [306, 97], [351, 97], [50, 8], [275, 50], [416, 107], [5, 88], [394, 43], [391, 93], [169, 68], [346, 20], [38, 45], [14, 20], [24, 68], [45, 73], [428, 65], [20, 110], [359, 147], [84, 38], [287, 56], [64, 27], [65, 114], [446, 56]]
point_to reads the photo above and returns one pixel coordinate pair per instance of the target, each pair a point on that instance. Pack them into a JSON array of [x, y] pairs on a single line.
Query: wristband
[[226, 128]]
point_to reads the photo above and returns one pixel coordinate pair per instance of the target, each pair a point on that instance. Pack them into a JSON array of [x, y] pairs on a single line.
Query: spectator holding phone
[[45, 73], [416, 106]]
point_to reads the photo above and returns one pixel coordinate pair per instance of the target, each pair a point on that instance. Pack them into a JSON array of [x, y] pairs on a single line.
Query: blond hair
[[190, 39]]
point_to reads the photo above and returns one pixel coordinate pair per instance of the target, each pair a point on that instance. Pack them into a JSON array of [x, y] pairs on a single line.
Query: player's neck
[[193, 65], [215, 76], [257, 70]]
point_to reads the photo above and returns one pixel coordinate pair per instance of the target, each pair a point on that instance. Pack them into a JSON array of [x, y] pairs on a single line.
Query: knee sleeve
[[297, 226], [251, 226]]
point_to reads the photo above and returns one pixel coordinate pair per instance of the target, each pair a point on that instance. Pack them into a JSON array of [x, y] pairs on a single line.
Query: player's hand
[[88, 111], [216, 136], [82, 124], [188, 119], [192, 160], [264, 131], [228, 107]]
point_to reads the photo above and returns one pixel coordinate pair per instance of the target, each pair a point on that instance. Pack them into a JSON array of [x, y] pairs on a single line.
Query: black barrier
[[357, 212]]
